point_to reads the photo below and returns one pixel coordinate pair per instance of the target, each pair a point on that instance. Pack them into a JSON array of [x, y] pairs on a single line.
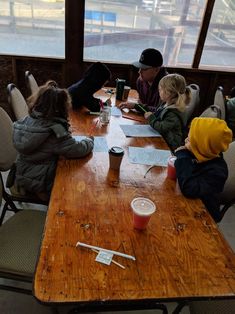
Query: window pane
[[117, 31], [32, 28], [219, 49]]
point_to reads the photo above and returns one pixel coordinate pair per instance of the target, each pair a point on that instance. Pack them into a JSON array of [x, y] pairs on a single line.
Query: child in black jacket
[[200, 168], [82, 92]]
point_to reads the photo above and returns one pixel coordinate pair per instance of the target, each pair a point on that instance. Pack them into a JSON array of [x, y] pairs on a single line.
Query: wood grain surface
[[180, 255]]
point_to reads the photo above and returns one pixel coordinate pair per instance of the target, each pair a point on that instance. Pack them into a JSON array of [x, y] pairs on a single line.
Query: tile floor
[[15, 303]]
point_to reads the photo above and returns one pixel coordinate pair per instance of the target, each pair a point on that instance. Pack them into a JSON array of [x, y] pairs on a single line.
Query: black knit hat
[[150, 58]]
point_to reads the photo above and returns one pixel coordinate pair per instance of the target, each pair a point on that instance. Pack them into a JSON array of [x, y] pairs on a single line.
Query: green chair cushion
[[20, 239]]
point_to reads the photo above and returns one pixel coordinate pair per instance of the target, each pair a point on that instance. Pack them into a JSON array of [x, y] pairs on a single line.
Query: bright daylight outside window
[[32, 28], [118, 30], [219, 49]]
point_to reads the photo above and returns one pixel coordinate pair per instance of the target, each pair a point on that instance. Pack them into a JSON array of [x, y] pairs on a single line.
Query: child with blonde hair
[[169, 118]]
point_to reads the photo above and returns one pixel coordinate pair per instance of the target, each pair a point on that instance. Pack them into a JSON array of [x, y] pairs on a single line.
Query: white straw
[[104, 250]]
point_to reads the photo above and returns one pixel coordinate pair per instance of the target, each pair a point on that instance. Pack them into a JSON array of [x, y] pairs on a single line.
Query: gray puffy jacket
[[39, 143]]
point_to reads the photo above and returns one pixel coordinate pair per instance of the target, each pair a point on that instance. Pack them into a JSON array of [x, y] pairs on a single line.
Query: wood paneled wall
[[12, 70]]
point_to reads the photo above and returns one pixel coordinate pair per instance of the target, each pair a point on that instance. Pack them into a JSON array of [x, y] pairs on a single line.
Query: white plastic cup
[[142, 208]]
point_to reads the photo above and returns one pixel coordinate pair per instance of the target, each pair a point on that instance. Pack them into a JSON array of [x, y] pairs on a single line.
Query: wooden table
[[181, 255]]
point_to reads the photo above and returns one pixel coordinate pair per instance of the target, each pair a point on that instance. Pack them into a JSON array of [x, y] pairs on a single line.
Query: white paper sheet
[[116, 112], [148, 156], [139, 130]]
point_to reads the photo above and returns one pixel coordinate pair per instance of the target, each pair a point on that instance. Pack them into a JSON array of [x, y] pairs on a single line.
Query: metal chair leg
[[179, 307]]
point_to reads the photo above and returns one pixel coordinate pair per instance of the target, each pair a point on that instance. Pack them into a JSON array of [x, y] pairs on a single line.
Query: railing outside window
[[170, 26]]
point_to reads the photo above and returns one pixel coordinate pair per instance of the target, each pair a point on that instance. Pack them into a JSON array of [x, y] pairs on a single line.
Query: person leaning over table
[[42, 137], [169, 118], [96, 76], [200, 168], [150, 73]]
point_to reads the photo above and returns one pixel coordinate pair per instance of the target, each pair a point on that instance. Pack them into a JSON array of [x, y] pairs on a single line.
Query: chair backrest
[[17, 102], [219, 101], [229, 189], [212, 112], [194, 103], [7, 151], [1, 190], [217, 110], [31, 82]]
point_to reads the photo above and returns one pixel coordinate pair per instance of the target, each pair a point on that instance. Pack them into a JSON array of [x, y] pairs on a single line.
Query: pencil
[[101, 104], [116, 263], [93, 126], [141, 107]]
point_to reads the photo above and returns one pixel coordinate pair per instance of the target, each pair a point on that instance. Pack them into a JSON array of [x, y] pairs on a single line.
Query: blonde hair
[[175, 86]]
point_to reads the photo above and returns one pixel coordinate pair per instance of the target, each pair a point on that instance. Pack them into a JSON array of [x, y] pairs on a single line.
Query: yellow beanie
[[209, 137]]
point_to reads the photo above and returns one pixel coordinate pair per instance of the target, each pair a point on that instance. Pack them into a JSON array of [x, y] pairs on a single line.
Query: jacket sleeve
[[197, 183], [70, 148], [92, 103], [167, 124]]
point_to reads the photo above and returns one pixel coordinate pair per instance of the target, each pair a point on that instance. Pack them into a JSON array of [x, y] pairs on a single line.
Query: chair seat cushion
[[20, 239]]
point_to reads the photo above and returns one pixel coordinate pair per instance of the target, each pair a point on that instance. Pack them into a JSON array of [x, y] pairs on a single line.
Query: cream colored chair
[[17, 102], [219, 102], [217, 110], [212, 112], [7, 158], [31, 82], [20, 238], [191, 108]]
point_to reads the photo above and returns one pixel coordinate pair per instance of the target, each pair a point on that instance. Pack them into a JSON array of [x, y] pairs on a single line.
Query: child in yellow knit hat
[[200, 167]]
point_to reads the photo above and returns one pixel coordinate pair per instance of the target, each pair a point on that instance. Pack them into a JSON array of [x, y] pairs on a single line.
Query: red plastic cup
[[142, 208], [171, 172]]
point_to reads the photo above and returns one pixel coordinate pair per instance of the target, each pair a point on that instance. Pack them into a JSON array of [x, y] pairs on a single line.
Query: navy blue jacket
[[203, 180], [82, 91]]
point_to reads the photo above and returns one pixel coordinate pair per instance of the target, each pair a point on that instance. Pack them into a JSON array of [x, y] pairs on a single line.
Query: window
[[219, 49], [32, 28], [117, 31], [169, 26]]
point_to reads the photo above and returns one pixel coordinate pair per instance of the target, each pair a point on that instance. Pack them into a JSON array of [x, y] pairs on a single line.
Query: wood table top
[[181, 254]]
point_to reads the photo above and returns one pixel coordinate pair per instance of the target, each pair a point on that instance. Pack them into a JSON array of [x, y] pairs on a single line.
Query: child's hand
[[128, 105], [147, 114]]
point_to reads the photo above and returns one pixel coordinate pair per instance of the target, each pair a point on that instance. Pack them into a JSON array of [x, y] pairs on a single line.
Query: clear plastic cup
[[105, 114], [142, 208]]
